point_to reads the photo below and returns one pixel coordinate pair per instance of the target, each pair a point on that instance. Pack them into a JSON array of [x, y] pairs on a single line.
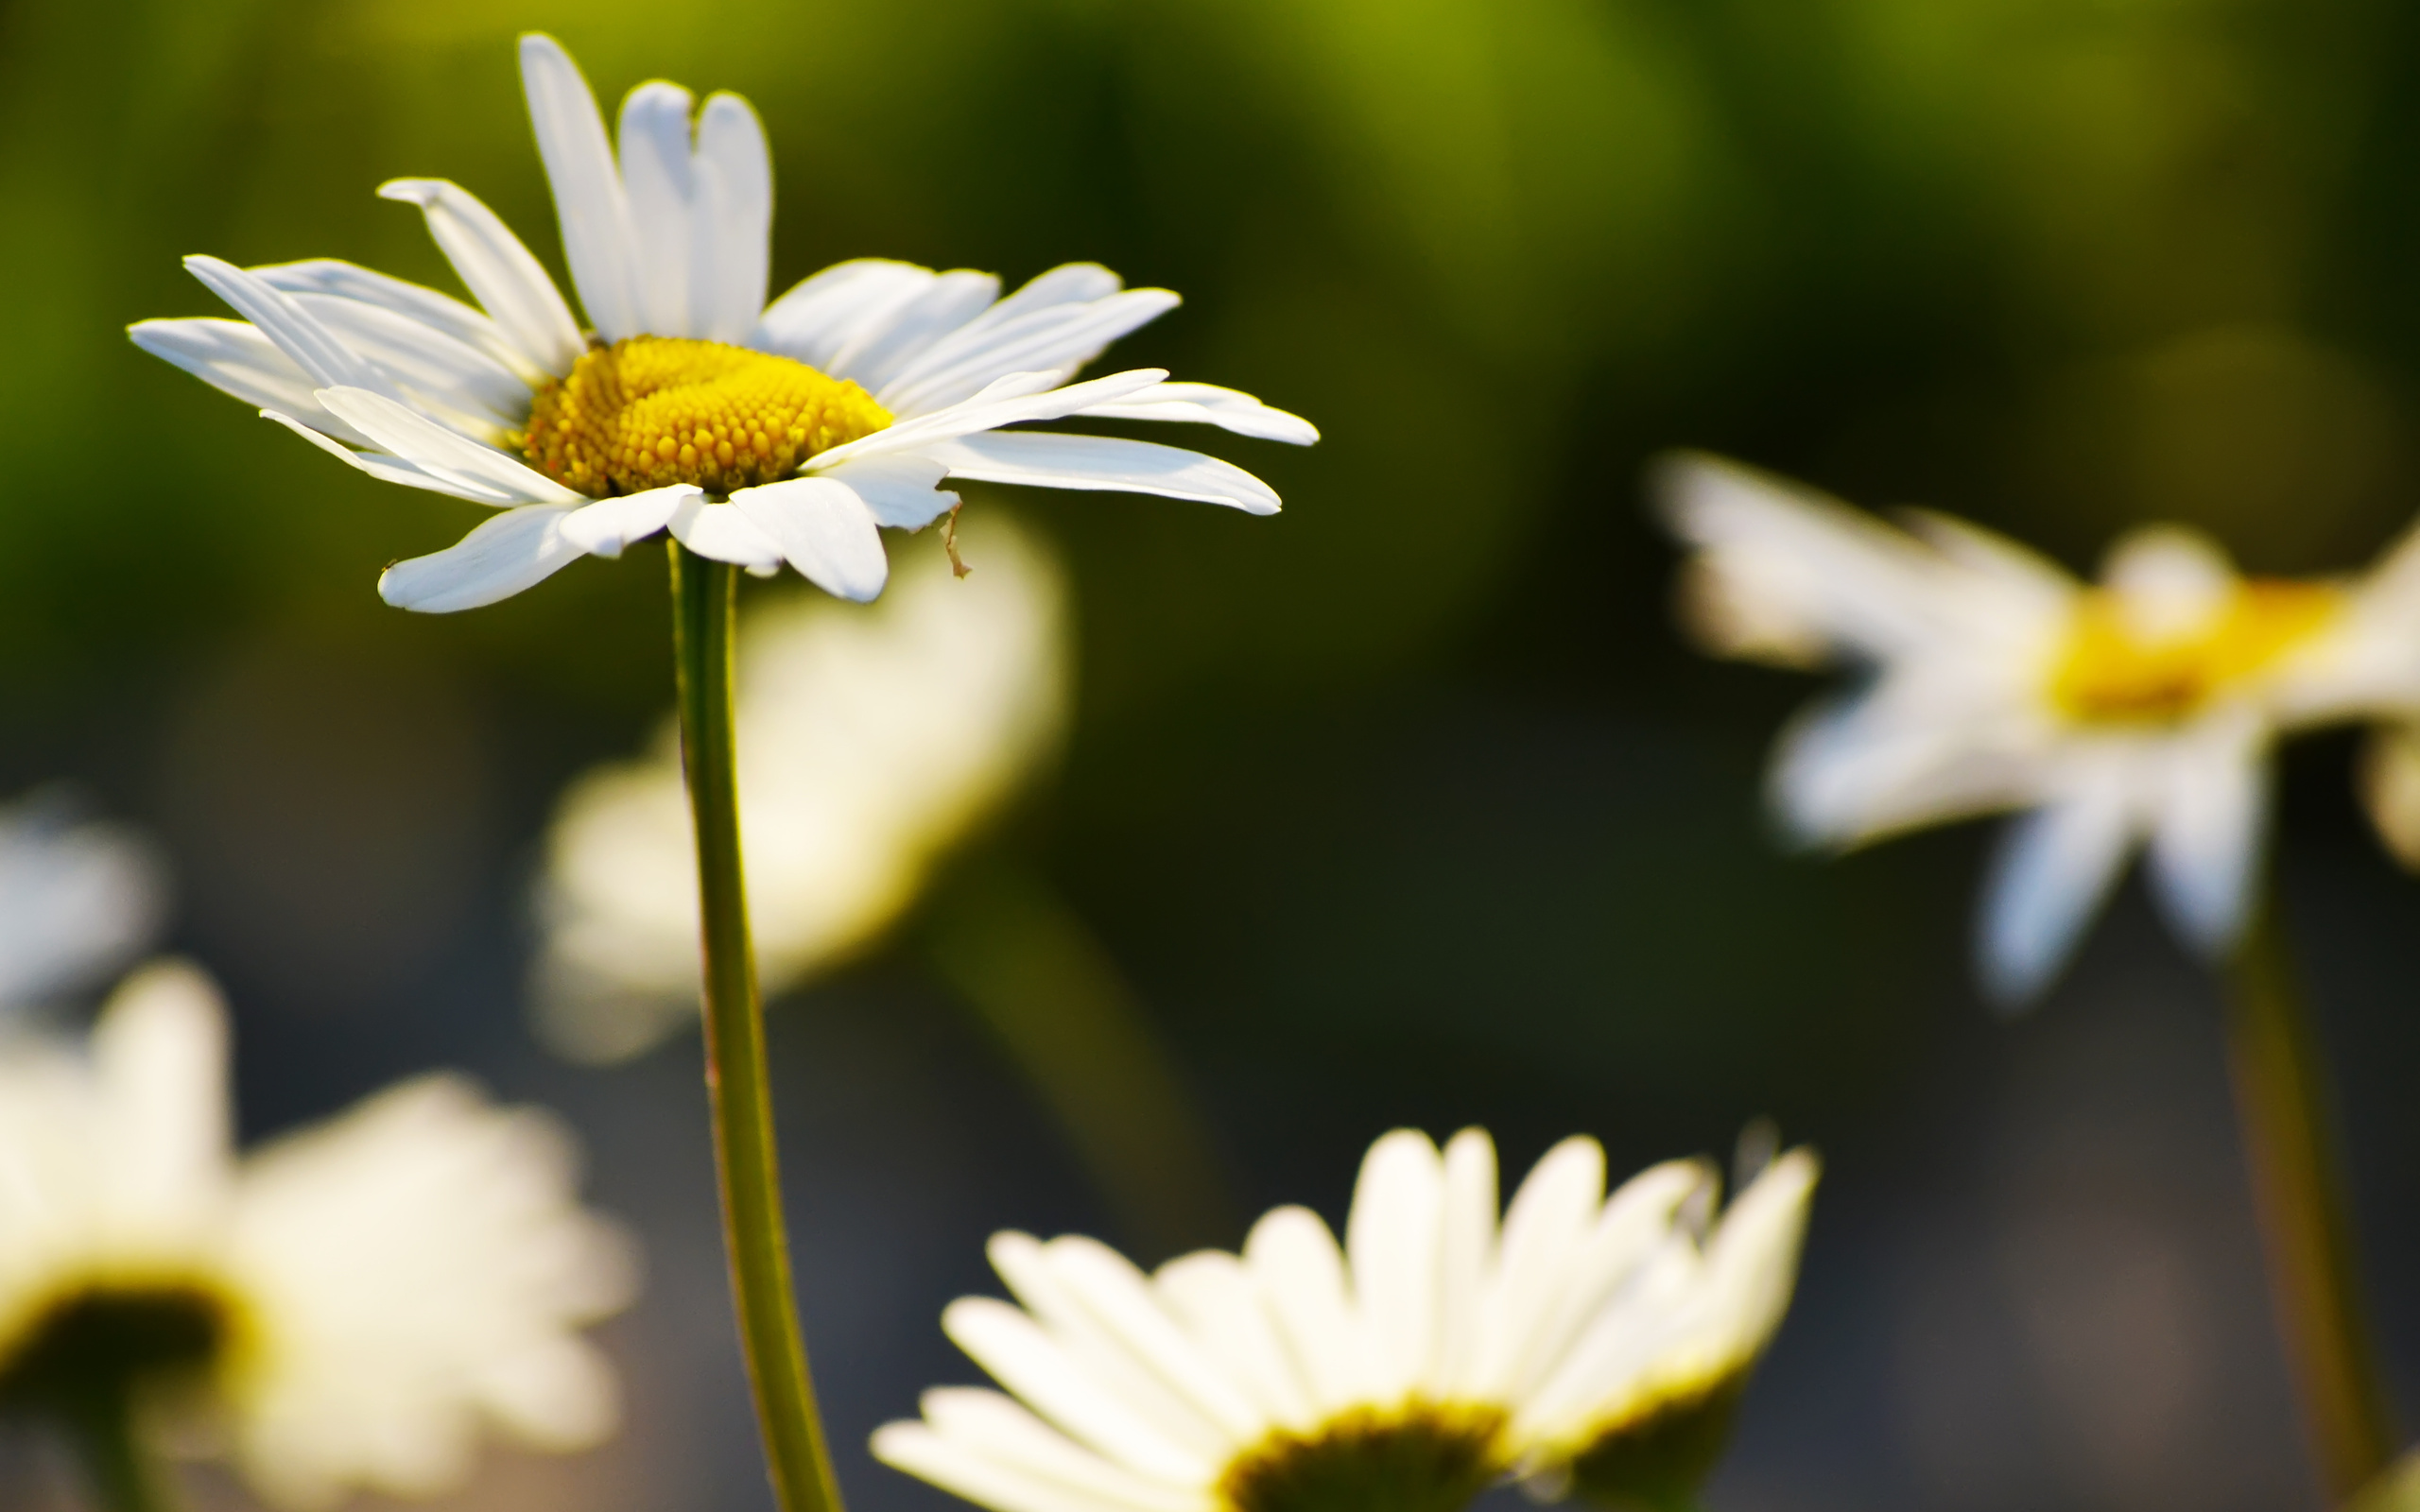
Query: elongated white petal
[[607, 527], [1047, 460], [825, 531], [433, 448], [598, 240], [439, 312], [982, 1478], [390, 469], [500, 272], [312, 346], [1466, 1255], [234, 357], [1294, 1258], [515, 550], [1395, 1242], [1222, 1305], [453, 382], [1633, 1225], [1209, 404], [881, 347], [724, 533], [902, 491], [654, 138], [823, 313], [2049, 875], [1006, 401], [996, 1427], [1026, 1360], [1056, 338], [2207, 834], [160, 1062], [1543, 1232], [1120, 1298], [730, 260]]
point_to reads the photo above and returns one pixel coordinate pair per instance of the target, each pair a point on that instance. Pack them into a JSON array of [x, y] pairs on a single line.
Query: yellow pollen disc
[[1420, 1457], [650, 411], [2109, 672]]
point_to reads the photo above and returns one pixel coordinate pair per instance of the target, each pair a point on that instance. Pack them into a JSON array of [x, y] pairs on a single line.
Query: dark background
[[1405, 807]]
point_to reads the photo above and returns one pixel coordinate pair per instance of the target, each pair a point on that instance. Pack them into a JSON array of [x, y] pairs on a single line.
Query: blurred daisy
[[754, 433], [343, 1308], [2137, 711], [78, 897], [868, 741], [1431, 1356]]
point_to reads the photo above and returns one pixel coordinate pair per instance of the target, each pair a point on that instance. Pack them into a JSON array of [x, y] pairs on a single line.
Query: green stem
[[704, 607], [2281, 1105], [124, 1477]]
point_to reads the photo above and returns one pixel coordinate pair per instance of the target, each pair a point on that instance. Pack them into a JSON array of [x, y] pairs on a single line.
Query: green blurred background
[[1407, 806]]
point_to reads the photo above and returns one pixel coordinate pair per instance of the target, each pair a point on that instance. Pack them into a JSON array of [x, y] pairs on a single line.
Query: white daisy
[[78, 897], [754, 433], [1429, 1357], [868, 741], [2141, 710], [342, 1308]]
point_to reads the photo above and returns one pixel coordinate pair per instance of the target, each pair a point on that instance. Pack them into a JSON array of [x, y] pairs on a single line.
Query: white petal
[[388, 469], [733, 219], [1222, 1306], [607, 527], [1544, 1228], [1030, 1363], [2049, 875], [902, 491], [469, 391], [1467, 1257], [1006, 401], [297, 332], [825, 530], [431, 447], [1633, 1225], [515, 550], [1054, 338], [509, 283], [234, 357], [994, 1426], [882, 347], [160, 1059], [1118, 1297], [981, 1477], [1394, 1239], [439, 312], [654, 138], [1208, 404], [823, 312], [598, 240], [724, 533], [1046, 460], [1295, 1260], [2206, 836]]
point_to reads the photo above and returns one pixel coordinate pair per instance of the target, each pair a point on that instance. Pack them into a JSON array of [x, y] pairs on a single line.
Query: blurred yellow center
[[650, 411], [2110, 672], [1422, 1457]]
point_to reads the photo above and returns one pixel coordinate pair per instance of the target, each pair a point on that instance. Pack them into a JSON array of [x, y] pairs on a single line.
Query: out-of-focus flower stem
[[704, 603], [2288, 1140], [124, 1478]]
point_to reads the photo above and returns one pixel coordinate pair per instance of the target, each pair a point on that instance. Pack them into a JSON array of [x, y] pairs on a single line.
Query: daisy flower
[[754, 433], [2139, 711], [869, 742], [1431, 1355], [342, 1308], [78, 897]]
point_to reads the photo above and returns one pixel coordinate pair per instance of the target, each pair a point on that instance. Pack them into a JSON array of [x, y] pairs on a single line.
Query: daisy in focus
[[343, 1308], [869, 742], [754, 433], [1588, 1341], [2139, 711], [78, 897]]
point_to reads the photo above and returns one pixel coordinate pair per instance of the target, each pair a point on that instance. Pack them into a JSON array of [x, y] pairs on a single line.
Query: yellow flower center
[[649, 411], [101, 1333], [2109, 672], [1423, 1458]]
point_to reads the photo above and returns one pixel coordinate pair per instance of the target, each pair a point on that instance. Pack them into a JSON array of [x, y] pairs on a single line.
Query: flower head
[[1433, 1354], [342, 1308], [868, 741], [2138, 710], [756, 433]]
